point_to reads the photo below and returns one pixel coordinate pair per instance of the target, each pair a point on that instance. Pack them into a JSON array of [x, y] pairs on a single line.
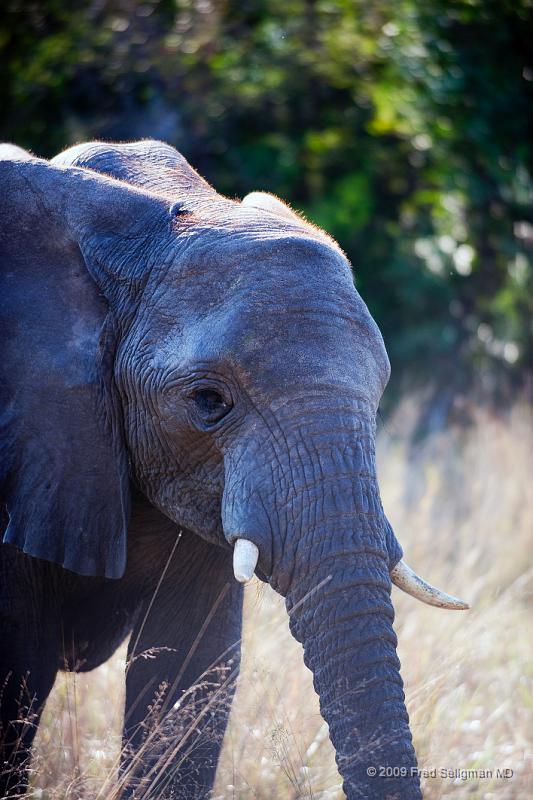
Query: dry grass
[[460, 503]]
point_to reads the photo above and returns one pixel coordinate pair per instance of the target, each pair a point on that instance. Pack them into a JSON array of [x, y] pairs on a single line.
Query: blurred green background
[[403, 127]]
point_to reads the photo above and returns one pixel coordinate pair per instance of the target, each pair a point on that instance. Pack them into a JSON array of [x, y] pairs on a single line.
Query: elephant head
[[217, 355]]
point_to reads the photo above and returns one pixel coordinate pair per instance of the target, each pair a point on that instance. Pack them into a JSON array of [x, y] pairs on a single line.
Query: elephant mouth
[[246, 556]]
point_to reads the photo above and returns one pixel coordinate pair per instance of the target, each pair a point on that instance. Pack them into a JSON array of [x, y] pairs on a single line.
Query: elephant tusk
[[408, 581], [245, 555]]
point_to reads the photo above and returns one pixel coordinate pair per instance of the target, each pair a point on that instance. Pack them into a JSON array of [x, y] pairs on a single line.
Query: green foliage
[[403, 128]]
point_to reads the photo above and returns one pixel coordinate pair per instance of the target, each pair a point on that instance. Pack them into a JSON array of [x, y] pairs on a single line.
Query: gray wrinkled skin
[[180, 370]]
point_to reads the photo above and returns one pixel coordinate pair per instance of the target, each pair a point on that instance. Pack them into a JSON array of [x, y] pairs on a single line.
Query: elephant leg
[[183, 661], [29, 657]]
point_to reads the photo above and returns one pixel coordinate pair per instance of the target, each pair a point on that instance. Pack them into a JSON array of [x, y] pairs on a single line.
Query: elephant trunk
[[340, 611], [325, 544]]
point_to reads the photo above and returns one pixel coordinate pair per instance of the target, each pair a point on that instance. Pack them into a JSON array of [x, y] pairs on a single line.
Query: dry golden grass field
[[461, 505]]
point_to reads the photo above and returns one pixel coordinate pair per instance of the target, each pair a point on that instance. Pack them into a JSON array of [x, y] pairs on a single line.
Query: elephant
[[189, 394]]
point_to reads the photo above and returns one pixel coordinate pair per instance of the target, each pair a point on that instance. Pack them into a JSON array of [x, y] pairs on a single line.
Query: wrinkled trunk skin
[[332, 565], [350, 647]]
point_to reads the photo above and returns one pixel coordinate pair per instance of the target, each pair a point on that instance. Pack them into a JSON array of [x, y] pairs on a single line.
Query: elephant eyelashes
[[211, 407]]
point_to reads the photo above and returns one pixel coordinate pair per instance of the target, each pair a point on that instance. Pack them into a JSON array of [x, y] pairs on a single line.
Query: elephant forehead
[[275, 313], [305, 345], [254, 267], [297, 277], [234, 241]]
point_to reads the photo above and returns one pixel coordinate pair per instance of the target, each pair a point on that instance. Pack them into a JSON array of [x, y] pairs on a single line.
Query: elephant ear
[[14, 152], [63, 469], [281, 212], [150, 164], [264, 201]]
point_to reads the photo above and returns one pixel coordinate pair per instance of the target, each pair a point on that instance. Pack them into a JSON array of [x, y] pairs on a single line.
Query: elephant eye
[[210, 405]]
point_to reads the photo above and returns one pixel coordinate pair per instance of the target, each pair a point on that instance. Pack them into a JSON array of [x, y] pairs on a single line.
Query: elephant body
[[182, 374]]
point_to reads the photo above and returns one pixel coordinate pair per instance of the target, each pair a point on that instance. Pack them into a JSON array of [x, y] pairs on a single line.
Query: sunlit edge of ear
[[265, 201]]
